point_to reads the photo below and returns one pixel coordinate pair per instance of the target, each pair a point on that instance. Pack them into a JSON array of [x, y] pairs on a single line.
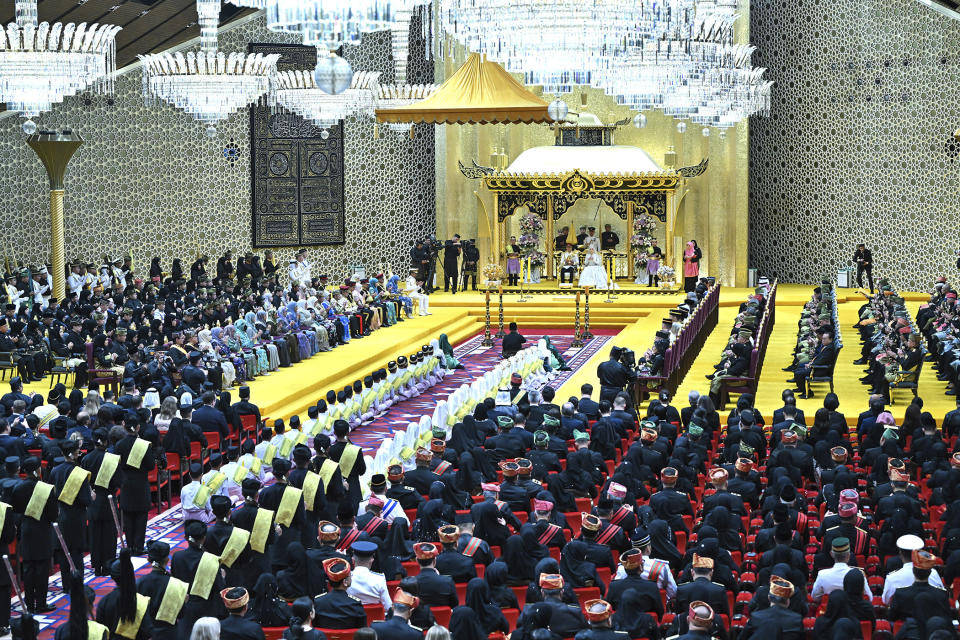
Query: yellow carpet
[[290, 391]]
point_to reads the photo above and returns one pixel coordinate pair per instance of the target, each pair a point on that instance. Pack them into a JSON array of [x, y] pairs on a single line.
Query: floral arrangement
[[644, 226], [492, 272], [537, 258], [530, 227], [666, 273]]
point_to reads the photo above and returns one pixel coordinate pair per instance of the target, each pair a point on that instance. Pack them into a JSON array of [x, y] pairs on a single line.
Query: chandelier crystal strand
[[209, 85], [41, 64], [297, 91]]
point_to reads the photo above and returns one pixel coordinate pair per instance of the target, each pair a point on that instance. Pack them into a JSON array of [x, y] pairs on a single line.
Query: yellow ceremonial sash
[[326, 472], [173, 598], [97, 631], [367, 401], [234, 547], [302, 438], [348, 458], [335, 414], [287, 445], [131, 628], [107, 468], [137, 451], [202, 496], [269, 453], [217, 480], [406, 453], [3, 514], [38, 500], [311, 482], [261, 530], [72, 486], [288, 505], [240, 474], [206, 574], [310, 427]]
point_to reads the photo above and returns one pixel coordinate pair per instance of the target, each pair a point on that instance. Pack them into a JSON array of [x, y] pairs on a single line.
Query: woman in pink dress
[[691, 265]]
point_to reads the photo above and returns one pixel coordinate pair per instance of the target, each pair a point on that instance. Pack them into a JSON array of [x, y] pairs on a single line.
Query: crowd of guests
[[818, 339], [735, 359]]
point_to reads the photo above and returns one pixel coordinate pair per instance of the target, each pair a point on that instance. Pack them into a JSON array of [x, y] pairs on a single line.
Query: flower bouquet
[[492, 274], [666, 275]]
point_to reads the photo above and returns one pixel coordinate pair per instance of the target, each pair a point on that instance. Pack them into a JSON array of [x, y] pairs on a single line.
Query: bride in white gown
[[593, 274]]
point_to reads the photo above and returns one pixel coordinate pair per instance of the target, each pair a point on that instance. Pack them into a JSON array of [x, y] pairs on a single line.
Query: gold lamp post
[[55, 150]]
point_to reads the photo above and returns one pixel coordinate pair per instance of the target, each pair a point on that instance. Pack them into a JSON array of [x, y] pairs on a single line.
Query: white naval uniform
[[411, 290], [369, 587], [903, 577], [665, 579], [829, 580]]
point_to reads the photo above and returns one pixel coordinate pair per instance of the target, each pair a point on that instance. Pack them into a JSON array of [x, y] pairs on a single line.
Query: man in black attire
[[192, 375], [103, 533], [397, 626], [512, 342], [209, 418], [36, 535], [335, 609], [608, 239], [632, 562], [235, 626], [451, 251], [435, 590], [823, 355], [137, 460], [73, 488], [451, 562], [614, 375], [420, 258], [864, 260], [471, 260], [701, 589], [777, 620], [244, 407], [565, 619]]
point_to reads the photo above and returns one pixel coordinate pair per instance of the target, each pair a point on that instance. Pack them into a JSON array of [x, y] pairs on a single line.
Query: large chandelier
[[208, 85], [297, 91], [41, 64], [390, 96]]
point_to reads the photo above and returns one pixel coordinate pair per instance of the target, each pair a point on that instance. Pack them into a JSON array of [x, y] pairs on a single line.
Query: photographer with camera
[[451, 251], [616, 373]]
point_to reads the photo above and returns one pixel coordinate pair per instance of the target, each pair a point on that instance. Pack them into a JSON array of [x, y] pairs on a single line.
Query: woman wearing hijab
[[576, 569], [630, 617], [465, 625], [535, 617], [838, 608], [293, 581], [463, 436], [488, 524], [519, 563], [727, 526], [447, 349], [861, 608], [76, 402], [430, 520], [478, 598], [467, 475], [501, 595], [266, 608], [451, 496], [485, 426], [563, 501], [691, 266], [484, 465], [663, 544]]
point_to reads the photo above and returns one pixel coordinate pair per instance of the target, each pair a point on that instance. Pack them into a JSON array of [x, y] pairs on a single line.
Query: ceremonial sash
[[327, 470], [442, 468], [38, 500], [269, 453], [386, 511], [234, 547], [287, 445], [217, 480], [261, 530], [255, 465], [72, 486], [3, 514], [861, 541], [129, 629], [288, 505], [801, 522], [137, 451], [406, 453], [607, 534], [311, 482], [375, 522], [97, 631], [500, 504], [655, 569], [201, 497], [548, 534], [240, 474], [367, 400], [348, 539], [174, 595], [301, 438], [107, 468], [472, 547], [516, 398], [621, 513], [205, 575], [348, 458]]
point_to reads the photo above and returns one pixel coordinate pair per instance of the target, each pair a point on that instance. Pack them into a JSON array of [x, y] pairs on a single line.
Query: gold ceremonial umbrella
[[480, 92]]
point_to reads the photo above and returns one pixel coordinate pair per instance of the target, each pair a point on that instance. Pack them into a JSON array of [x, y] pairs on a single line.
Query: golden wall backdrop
[[713, 211]]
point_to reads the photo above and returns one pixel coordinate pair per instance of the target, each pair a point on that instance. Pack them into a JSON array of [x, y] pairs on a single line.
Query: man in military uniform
[[434, 589], [598, 614], [699, 623], [609, 239], [398, 626], [473, 547], [566, 620], [632, 562], [776, 621], [408, 497], [701, 589], [420, 478], [452, 562], [328, 534], [366, 585], [336, 609], [598, 536], [904, 603], [669, 504], [471, 258], [859, 539]]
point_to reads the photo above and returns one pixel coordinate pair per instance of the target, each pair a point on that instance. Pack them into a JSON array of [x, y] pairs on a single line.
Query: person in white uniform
[[903, 577], [188, 494], [414, 291], [367, 586], [829, 580]]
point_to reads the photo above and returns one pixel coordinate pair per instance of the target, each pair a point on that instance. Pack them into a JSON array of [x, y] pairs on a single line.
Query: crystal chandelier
[[209, 85], [398, 95], [41, 64], [297, 91]]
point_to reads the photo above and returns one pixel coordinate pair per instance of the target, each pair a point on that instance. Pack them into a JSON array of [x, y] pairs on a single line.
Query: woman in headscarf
[[478, 598], [451, 362], [519, 562], [395, 550], [630, 617], [691, 266], [604, 439], [484, 465], [578, 477], [467, 475], [176, 270], [463, 436], [576, 569], [244, 334], [443, 493], [235, 343], [255, 330], [465, 625], [227, 357], [899, 523], [266, 608], [488, 524], [557, 361], [430, 520], [663, 545], [727, 526], [535, 617], [853, 586], [501, 595], [838, 608], [293, 582], [76, 402], [485, 426], [393, 286]]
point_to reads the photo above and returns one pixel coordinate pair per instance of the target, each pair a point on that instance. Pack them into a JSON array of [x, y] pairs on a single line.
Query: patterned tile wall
[[858, 147], [150, 181]]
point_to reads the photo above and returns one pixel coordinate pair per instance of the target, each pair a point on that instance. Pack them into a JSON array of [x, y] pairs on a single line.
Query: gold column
[[57, 259], [630, 214], [548, 245], [671, 220], [496, 241]]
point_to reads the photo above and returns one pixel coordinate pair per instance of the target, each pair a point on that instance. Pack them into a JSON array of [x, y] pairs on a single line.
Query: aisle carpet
[[476, 360]]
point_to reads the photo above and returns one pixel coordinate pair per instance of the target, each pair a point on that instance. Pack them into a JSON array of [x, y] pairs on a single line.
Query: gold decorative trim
[[577, 182]]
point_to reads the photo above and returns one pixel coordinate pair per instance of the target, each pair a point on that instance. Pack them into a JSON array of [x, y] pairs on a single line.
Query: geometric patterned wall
[[859, 144], [150, 181]]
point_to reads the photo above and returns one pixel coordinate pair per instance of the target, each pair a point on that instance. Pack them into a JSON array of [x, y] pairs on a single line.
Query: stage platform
[[631, 319]]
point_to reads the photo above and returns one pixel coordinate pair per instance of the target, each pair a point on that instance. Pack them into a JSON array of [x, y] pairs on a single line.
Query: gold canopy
[[480, 92]]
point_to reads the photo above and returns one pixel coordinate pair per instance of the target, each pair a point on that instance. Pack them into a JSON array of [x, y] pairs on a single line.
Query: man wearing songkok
[[547, 533], [398, 626], [905, 602], [702, 589], [776, 621], [452, 562], [903, 577], [434, 589], [632, 562], [336, 609], [235, 626], [328, 535], [598, 614], [699, 622], [669, 504], [421, 478], [598, 551], [565, 619], [408, 497]]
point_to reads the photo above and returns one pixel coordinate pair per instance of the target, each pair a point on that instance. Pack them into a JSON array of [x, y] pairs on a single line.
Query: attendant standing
[[691, 266]]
